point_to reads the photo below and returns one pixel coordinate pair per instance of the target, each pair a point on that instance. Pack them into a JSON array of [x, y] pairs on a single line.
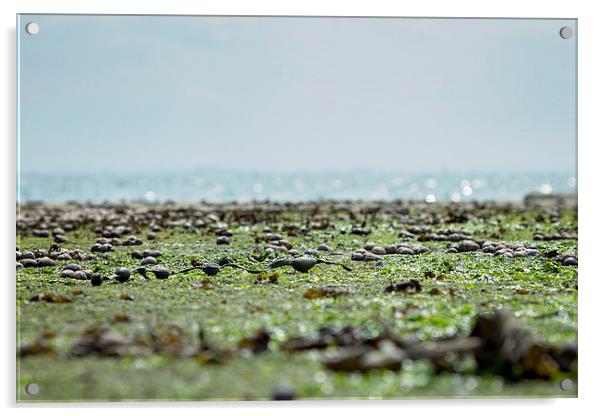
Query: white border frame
[[590, 68]]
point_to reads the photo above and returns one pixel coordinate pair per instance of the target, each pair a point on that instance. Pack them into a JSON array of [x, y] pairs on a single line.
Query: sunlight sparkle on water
[[430, 198], [572, 182], [431, 183], [546, 188]]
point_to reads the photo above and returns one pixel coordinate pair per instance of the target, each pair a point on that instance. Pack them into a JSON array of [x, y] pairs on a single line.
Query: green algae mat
[[296, 301]]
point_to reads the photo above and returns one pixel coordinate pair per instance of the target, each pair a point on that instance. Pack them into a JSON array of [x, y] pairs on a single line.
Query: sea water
[[225, 186]]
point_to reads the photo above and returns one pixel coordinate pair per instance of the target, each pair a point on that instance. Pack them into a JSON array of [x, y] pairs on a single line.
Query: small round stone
[[67, 273], [379, 251], [372, 257], [569, 261], [27, 255], [283, 394], [223, 240], [29, 263], [357, 256], [45, 262], [60, 238], [161, 273], [96, 280], [468, 245], [80, 275], [148, 260], [323, 247], [390, 249], [123, 274], [72, 266], [405, 250]]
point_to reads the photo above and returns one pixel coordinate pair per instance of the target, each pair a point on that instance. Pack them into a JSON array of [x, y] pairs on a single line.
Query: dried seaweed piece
[[256, 343], [328, 291], [38, 347], [99, 341], [411, 286], [512, 350], [50, 298]]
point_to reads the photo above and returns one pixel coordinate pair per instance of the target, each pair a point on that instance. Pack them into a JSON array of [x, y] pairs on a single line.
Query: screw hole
[[566, 32], [32, 28], [32, 389], [566, 384]]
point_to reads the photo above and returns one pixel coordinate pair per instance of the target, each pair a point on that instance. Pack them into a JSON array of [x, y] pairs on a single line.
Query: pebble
[[67, 273], [294, 252], [60, 238], [133, 241], [161, 273], [323, 247], [137, 255], [369, 246], [122, 274], [311, 252], [379, 251], [80, 275], [64, 256], [96, 280], [405, 250], [488, 249], [29, 263], [27, 255], [285, 243], [149, 260], [419, 249], [468, 245], [372, 257], [223, 240], [151, 253], [101, 248], [390, 249], [73, 267], [357, 256], [569, 261], [454, 237], [451, 250], [45, 262], [283, 394], [41, 253]]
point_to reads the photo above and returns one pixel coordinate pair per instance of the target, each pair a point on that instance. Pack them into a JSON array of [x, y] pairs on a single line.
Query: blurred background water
[[226, 186]]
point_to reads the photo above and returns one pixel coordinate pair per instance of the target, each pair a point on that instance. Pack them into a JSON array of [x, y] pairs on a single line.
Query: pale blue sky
[[110, 94]]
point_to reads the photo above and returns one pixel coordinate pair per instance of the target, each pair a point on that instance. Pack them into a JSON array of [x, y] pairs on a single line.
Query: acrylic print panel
[[232, 208]]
